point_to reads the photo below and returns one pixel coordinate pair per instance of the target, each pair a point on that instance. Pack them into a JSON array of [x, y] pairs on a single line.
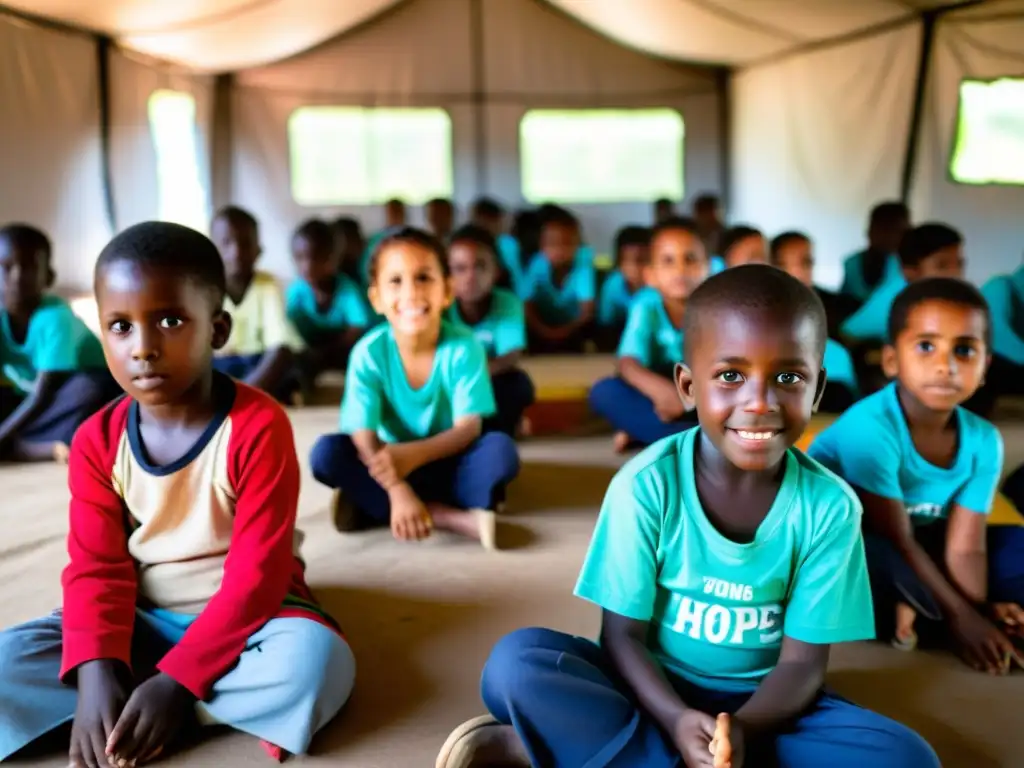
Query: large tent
[[800, 113]]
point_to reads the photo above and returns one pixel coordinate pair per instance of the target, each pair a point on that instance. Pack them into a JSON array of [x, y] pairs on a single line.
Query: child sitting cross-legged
[[184, 597], [495, 316], [642, 402], [54, 363], [725, 564], [410, 453], [621, 287], [927, 471]]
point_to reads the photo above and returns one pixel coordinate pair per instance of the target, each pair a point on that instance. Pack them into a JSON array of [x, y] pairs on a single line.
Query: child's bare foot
[[477, 524], [906, 637], [483, 743], [61, 453], [620, 442], [525, 427]]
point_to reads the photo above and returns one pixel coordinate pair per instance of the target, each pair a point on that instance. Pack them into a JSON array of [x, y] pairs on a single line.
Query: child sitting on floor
[[559, 287], [642, 402], [926, 471], [866, 270], [54, 363], [495, 317], [725, 564], [184, 598], [743, 245], [791, 252], [410, 453], [632, 255], [490, 215], [350, 243], [440, 216], [1005, 297], [263, 347], [327, 308]]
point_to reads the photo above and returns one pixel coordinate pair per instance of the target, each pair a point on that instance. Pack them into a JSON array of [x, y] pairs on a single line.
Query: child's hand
[[101, 697], [668, 407], [692, 736], [727, 744], [391, 464], [1010, 617], [149, 722], [981, 644], [410, 520]]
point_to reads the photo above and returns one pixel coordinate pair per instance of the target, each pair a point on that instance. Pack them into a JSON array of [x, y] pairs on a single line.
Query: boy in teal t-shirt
[[1005, 297], [866, 270], [54, 364], [725, 563], [327, 308], [927, 471], [410, 453], [641, 402], [496, 319], [558, 288], [624, 284]]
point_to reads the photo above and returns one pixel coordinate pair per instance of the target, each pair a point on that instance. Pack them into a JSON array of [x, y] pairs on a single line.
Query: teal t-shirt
[[503, 329], [1005, 297], [508, 253], [718, 609], [57, 341], [871, 321], [839, 365], [853, 275], [716, 264], [378, 395], [615, 300], [649, 336], [348, 309], [870, 447], [558, 305]]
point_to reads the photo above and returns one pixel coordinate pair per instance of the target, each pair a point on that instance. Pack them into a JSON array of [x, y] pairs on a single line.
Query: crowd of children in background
[[692, 559]]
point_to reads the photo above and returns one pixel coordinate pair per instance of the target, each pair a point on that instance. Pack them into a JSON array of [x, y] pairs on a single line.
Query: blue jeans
[[629, 410], [561, 696], [473, 479], [513, 394], [80, 396]]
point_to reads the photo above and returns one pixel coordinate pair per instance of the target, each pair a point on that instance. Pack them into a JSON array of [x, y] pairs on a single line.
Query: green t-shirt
[[649, 336], [502, 330], [57, 342], [718, 609], [349, 308], [378, 396]]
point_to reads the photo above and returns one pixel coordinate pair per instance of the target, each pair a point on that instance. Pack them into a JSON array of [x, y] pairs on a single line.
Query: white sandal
[[456, 751]]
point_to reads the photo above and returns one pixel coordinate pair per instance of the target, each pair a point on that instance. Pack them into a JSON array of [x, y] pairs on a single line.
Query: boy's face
[[663, 210], [410, 289], [439, 218], [473, 271], [24, 277], [940, 356], [754, 379], [706, 216], [159, 331], [633, 261], [239, 247], [947, 262], [316, 265], [885, 236], [749, 250], [350, 247], [559, 243], [495, 224], [394, 214], [678, 264], [795, 257]]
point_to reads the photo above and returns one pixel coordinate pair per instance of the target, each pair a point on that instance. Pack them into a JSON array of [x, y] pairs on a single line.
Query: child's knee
[[502, 454], [603, 394], [329, 454], [904, 746], [321, 667]]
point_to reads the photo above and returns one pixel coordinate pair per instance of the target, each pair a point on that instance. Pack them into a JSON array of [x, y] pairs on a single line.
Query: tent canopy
[[227, 35]]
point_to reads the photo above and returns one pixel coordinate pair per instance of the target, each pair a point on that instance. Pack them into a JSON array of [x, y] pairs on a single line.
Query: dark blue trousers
[[513, 394], [893, 580], [629, 410], [80, 396], [559, 693], [473, 479]]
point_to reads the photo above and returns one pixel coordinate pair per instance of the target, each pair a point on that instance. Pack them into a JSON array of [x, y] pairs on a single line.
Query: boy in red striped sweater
[[184, 597]]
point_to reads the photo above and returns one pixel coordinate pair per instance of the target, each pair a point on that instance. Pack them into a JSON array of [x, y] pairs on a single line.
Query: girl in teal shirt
[[495, 317], [410, 452]]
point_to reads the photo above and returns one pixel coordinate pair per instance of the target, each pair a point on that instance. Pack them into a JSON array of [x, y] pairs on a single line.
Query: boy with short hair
[[926, 471], [394, 217], [184, 597], [440, 217], [707, 214], [726, 564], [866, 270], [1005, 297], [632, 255], [58, 377], [350, 243], [489, 214], [559, 287], [264, 346]]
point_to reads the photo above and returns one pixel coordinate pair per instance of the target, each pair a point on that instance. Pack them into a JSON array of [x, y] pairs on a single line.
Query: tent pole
[[479, 83], [103, 48], [724, 77], [928, 19]]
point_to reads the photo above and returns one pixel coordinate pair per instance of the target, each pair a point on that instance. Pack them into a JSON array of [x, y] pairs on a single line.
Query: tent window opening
[[362, 156], [601, 156], [172, 123], [989, 144]]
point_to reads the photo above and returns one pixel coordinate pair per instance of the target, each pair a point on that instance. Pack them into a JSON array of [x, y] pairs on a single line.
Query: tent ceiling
[[223, 35]]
